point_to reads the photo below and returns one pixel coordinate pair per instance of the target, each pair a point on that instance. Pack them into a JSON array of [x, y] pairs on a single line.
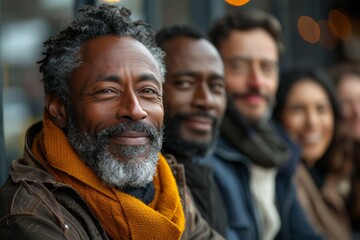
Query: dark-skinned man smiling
[[92, 169]]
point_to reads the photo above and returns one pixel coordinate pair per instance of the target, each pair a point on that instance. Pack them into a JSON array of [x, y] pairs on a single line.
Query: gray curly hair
[[62, 55]]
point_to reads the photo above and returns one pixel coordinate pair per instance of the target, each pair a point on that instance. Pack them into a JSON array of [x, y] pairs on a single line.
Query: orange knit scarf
[[122, 215]]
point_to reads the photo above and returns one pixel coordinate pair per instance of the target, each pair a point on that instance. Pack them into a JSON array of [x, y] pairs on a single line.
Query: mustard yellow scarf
[[123, 216]]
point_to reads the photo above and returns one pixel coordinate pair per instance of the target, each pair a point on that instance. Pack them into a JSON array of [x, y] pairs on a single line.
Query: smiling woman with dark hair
[[308, 109]]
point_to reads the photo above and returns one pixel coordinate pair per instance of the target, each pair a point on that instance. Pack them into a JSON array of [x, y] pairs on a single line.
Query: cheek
[[156, 115], [90, 120], [94, 118], [347, 110], [176, 101], [273, 85], [234, 82], [220, 105], [329, 126], [293, 124]]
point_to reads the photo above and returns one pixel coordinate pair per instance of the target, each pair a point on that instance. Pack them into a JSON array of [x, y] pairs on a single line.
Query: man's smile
[[253, 99], [199, 123], [133, 138]]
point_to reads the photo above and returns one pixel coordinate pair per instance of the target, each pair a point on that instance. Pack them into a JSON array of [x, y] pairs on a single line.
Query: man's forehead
[[249, 59], [124, 44], [191, 52], [189, 45], [254, 42], [121, 48]]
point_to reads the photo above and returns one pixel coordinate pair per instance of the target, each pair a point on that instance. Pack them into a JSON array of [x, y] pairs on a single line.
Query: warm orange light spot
[[342, 23], [308, 29], [237, 2], [327, 38]]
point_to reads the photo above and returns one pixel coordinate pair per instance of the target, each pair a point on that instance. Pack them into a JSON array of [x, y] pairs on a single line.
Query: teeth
[[312, 138]]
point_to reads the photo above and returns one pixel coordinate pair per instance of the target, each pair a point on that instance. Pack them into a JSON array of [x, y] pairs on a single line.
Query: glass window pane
[[25, 25]]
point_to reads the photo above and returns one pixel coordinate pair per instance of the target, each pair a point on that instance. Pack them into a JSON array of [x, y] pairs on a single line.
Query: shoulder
[[224, 151], [39, 210], [26, 208], [24, 191]]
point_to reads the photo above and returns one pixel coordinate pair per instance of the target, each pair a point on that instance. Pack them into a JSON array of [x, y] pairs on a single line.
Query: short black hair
[[167, 33]]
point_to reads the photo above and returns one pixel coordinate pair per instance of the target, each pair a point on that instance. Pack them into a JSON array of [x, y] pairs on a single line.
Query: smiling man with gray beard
[[92, 168]]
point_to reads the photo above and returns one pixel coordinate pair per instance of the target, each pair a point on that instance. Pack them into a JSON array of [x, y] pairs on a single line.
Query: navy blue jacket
[[231, 170]]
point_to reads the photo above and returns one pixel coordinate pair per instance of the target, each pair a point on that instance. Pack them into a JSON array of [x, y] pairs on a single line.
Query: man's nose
[[130, 107], [203, 98], [255, 78]]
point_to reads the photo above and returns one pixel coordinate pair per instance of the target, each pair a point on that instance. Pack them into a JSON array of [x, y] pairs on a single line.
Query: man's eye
[[323, 108], [238, 66], [183, 84], [105, 93], [269, 68], [218, 87], [150, 91]]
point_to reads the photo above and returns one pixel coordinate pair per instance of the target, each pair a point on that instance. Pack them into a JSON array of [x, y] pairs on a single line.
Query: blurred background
[[316, 32]]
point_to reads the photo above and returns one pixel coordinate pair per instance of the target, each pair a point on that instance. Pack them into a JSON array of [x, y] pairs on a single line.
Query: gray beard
[[140, 163]]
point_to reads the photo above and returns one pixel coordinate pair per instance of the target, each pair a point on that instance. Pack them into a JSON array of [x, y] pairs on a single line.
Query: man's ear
[[56, 109]]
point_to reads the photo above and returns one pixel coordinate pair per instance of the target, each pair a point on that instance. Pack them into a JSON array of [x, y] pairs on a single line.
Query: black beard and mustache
[[140, 162], [175, 144]]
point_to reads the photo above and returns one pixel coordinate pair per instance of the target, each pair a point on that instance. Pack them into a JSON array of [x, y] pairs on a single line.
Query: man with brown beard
[[254, 159]]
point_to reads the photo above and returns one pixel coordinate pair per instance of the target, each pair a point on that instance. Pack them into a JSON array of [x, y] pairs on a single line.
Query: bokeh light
[[309, 29], [342, 24], [237, 3], [328, 37]]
